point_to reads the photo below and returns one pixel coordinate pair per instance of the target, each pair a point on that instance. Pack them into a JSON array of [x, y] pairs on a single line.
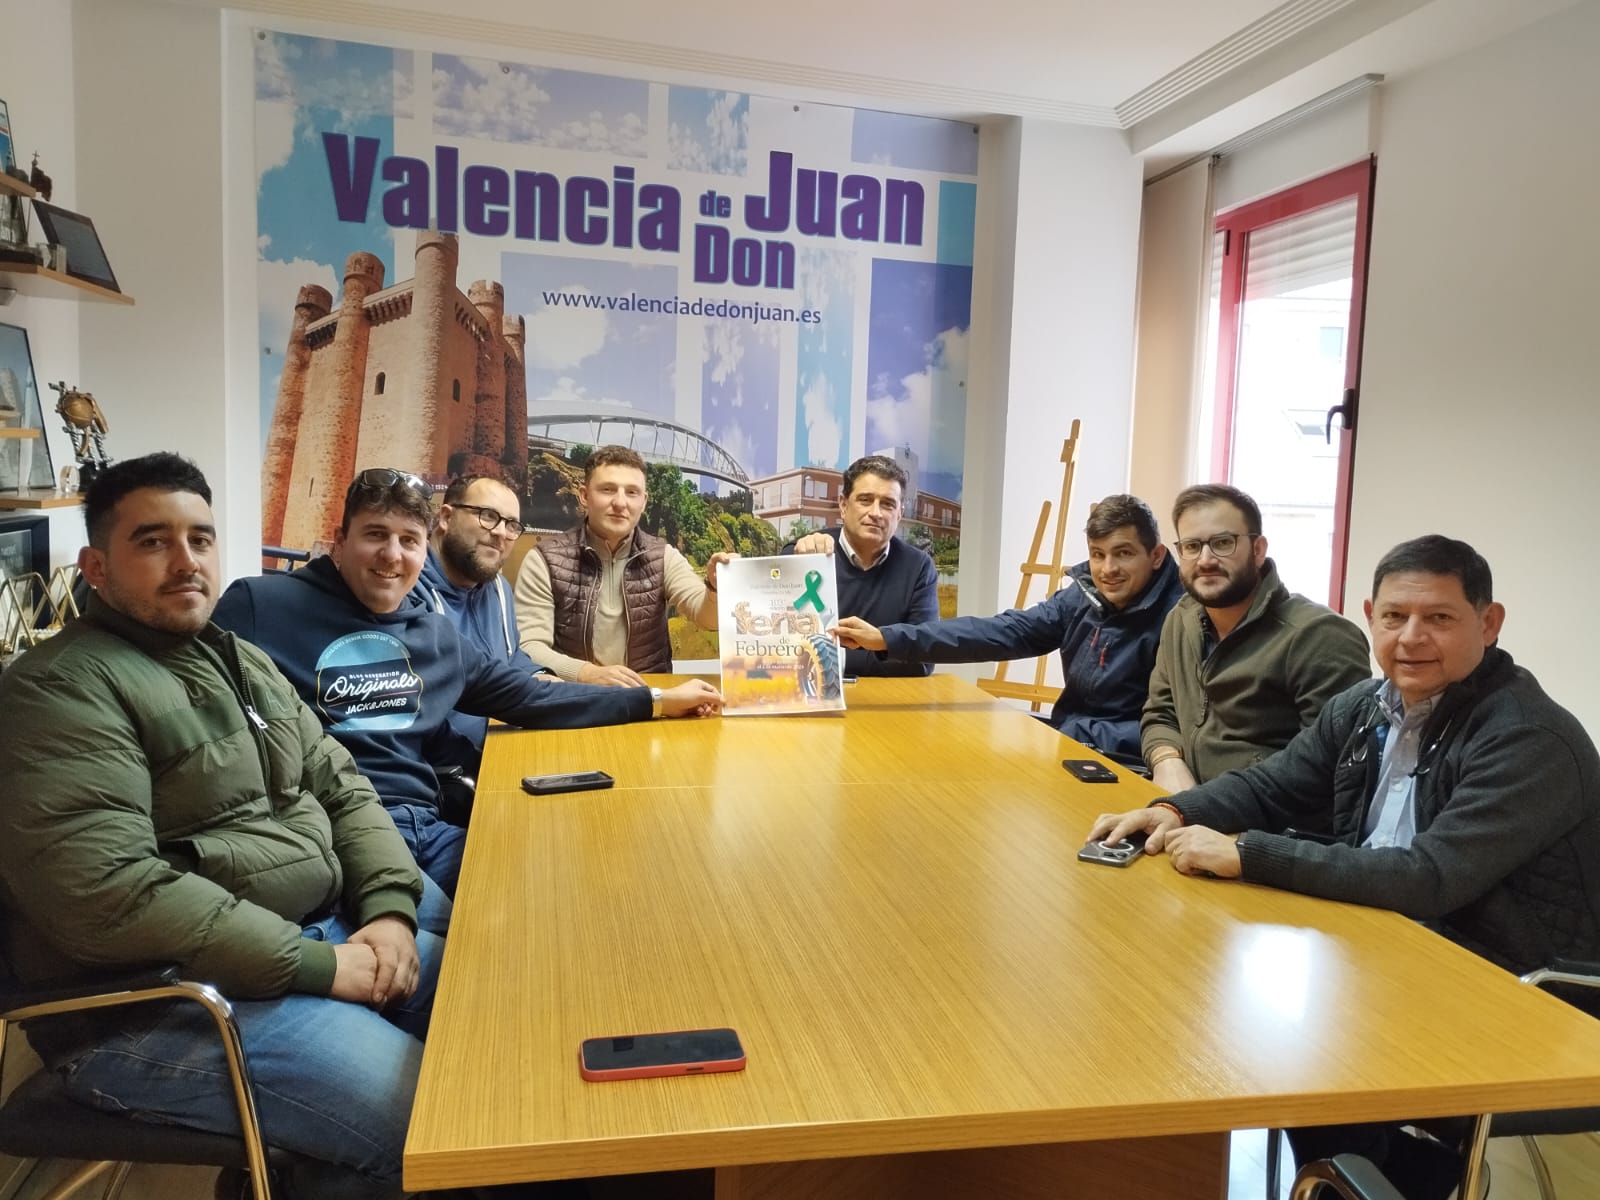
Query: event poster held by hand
[[776, 657]]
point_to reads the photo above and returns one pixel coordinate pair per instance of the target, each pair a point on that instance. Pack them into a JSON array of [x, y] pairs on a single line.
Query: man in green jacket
[[1243, 665], [169, 799]]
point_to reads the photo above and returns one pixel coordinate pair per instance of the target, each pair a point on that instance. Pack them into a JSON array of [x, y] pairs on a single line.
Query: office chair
[[1347, 1176], [39, 1119], [1528, 1126]]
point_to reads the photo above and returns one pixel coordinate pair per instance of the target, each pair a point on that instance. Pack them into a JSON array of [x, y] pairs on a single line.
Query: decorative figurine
[[39, 181], [86, 425]]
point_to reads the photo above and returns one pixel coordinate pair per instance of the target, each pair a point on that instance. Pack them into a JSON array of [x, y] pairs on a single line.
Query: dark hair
[[163, 471], [388, 489], [462, 484], [613, 456], [1112, 513], [1435, 554], [1209, 493], [874, 464]]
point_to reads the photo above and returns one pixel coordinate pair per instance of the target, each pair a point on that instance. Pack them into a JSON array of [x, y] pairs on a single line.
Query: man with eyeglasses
[[384, 670], [479, 521], [882, 579], [1243, 664], [1453, 790], [594, 600], [1105, 620]]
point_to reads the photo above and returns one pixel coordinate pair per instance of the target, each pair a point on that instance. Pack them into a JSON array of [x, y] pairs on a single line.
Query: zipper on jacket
[[231, 668]]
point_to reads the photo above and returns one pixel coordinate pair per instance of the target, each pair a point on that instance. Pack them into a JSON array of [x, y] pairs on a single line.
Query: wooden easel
[[1037, 694]]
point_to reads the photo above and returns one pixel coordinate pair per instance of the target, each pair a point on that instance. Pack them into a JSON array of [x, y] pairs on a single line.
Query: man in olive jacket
[[1243, 665], [170, 800]]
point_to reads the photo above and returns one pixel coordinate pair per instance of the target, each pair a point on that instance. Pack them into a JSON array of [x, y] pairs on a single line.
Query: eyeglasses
[[383, 479], [492, 520], [1222, 545]]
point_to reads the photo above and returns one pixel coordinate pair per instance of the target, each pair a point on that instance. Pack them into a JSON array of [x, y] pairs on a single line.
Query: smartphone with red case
[[651, 1055]]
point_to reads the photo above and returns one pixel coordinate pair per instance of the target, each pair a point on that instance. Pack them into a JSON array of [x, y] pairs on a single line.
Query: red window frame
[[1236, 225]]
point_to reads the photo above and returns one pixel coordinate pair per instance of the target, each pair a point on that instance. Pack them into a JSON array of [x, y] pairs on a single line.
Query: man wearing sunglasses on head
[[479, 522], [1243, 665], [383, 670], [1454, 791]]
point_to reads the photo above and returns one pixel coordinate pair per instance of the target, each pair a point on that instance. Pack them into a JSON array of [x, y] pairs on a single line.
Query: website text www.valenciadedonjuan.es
[[677, 306]]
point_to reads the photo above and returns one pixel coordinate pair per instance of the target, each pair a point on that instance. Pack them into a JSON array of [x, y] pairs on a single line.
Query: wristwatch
[[655, 702]]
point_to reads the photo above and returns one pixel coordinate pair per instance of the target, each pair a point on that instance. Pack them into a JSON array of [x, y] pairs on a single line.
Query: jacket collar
[[1164, 584], [145, 637]]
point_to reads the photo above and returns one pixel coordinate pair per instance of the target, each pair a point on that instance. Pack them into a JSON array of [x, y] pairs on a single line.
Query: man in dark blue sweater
[[1106, 621], [881, 579], [383, 670]]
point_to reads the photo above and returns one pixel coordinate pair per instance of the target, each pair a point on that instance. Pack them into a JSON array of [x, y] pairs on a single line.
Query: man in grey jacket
[[1453, 790], [170, 800]]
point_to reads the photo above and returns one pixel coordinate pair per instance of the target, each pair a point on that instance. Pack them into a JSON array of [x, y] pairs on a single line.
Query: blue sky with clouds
[[708, 131], [510, 102]]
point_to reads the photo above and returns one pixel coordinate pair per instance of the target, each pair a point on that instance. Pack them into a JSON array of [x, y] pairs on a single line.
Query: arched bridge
[[655, 440]]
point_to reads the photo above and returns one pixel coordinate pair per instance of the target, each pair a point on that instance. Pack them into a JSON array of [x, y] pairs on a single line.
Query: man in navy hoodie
[[383, 670], [479, 521], [1106, 620], [881, 578]]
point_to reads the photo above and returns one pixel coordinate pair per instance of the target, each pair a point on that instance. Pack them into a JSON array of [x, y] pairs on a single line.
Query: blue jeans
[[334, 1081], [437, 845]]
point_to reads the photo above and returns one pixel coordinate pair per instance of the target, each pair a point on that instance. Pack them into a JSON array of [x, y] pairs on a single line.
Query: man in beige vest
[[592, 602]]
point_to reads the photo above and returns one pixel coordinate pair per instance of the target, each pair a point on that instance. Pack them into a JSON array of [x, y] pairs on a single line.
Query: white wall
[[1480, 412], [36, 82]]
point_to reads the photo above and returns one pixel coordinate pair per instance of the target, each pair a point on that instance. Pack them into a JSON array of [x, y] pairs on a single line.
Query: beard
[[1237, 589], [468, 558]]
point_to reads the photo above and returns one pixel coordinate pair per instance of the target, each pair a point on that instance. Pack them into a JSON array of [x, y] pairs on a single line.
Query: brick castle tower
[[415, 376]]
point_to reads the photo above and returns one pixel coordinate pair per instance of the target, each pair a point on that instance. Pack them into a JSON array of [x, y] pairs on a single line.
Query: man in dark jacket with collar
[[169, 799], [1106, 621], [384, 671], [881, 579], [1453, 790], [1243, 665]]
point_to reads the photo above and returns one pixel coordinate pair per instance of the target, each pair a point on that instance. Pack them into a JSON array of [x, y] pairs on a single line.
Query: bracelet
[[1162, 753], [1171, 808]]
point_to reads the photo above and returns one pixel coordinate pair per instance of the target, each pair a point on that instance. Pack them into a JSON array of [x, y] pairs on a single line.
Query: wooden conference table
[[935, 997]]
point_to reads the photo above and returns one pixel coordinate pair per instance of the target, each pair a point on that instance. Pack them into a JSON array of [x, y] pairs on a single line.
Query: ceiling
[[1179, 76]]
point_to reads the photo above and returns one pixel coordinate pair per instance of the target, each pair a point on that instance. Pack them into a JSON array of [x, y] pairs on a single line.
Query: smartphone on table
[[576, 781], [1087, 770], [1117, 854], [651, 1055]]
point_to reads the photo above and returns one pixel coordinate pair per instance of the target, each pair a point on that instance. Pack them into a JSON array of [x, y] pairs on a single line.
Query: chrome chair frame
[[23, 1005]]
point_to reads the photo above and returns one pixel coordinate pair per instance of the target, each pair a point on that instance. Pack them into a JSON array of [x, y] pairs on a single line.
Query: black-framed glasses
[[1222, 545], [492, 520], [384, 479]]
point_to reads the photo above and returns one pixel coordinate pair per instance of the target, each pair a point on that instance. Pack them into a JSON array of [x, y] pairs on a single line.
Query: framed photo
[[86, 258], [8, 154], [24, 463], [24, 545]]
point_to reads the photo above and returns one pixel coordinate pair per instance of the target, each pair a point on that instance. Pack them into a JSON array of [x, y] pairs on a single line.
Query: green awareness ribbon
[[813, 593]]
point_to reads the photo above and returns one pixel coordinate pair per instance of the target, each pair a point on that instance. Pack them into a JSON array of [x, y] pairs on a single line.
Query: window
[[378, 386], [455, 389]]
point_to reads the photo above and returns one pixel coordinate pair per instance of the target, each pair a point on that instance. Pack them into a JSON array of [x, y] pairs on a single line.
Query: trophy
[[86, 426]]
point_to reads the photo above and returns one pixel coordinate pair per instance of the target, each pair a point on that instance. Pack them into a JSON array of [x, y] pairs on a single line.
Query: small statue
[[39, 181], [86, 425]]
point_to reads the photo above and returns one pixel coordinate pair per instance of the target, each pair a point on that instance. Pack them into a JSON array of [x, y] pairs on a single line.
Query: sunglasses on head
[[385, 479]]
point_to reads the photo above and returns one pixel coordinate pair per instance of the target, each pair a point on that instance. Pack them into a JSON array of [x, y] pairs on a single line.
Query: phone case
[[1087, 770], [1098, 852], [577, 781], [658, 1071]]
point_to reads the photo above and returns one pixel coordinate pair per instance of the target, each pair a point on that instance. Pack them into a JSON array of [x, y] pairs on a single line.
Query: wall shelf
[[26, 435], [38, 498], [16, 186], [30, 279]]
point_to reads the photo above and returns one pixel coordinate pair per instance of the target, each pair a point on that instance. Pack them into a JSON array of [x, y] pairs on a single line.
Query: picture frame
[[24, 463], [86, 257], [8, 153], [24, 545]]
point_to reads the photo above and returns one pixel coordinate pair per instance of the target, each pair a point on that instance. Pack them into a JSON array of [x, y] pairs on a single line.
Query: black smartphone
[[578, 781], [649, 1055], [1086, 770], [1117, 854]]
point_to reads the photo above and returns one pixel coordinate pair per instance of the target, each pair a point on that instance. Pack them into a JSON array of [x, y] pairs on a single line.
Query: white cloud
[[824, 434], [720, 145], [278, 286], [500, 104], [737, 443], [274, 135], [928, 409], [273, 79], [723, 347], [560, 337], [569, 396]]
